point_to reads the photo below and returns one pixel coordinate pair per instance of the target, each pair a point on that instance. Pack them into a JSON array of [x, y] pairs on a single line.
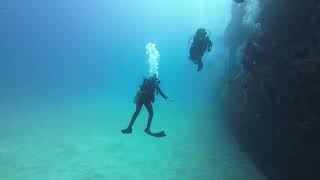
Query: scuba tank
[[206, 33], [147, 86]]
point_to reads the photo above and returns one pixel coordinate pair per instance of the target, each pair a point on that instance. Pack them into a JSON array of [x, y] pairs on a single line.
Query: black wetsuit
[[145, 96], [200, 45]]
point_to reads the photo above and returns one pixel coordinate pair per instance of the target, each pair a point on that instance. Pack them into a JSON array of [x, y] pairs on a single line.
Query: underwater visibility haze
[[69, 73]]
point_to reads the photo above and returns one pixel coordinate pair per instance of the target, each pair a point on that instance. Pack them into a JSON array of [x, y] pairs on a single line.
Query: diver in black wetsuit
[[201, 43], [145, 96], [248, 69]]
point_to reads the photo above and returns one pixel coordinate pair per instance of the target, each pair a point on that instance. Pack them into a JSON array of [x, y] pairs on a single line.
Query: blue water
[[69, 71]]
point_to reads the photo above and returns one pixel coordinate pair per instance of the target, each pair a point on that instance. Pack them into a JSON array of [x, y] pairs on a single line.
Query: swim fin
[[157, 134], [225, 91], [200, 66], [127, 131]]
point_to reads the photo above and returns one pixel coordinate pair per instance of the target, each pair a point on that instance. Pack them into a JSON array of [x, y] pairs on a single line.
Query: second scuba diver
[[145, 96], [201, 43], [248, 69]]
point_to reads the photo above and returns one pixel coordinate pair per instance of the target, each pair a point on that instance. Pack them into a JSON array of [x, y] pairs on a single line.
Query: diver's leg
[[148, 105], [147, 130], [245, 87], [200, 65], [135, 115], [133, 119]]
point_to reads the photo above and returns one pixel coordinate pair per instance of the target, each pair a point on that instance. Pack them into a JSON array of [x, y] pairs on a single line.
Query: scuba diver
[[248, 69], [145, 96], [201, 43]]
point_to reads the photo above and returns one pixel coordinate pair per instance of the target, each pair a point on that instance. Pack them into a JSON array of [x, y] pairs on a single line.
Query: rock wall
[[279, 124]]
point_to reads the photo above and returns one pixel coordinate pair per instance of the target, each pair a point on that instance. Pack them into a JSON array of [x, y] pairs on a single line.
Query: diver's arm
[[241, 73], [161, 93]]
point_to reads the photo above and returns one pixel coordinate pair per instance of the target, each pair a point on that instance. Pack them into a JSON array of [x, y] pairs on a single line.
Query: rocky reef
[[276, 118]]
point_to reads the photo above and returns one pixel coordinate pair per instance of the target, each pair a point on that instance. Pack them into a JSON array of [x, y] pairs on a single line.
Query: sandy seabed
[[82, 141]]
